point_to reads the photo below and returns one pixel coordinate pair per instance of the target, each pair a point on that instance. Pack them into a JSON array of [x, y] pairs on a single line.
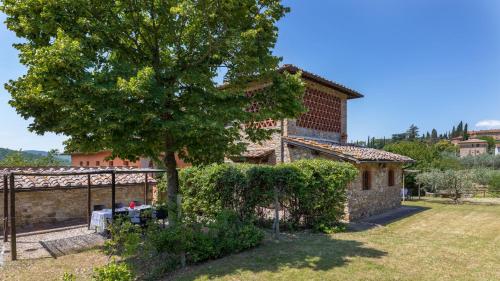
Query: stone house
[[473, 147], [322, 132]]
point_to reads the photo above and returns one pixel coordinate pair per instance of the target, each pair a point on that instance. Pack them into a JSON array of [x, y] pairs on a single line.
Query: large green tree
[[139, 77]]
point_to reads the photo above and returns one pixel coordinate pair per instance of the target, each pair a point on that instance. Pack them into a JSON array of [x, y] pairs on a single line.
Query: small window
[[125, 163], [81, 163], [88, 163], [97, 163], [391, 178], [111, 163], [367, 180]]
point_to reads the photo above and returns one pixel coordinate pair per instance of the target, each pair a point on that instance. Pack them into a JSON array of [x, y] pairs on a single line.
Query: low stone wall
[[58, 205]]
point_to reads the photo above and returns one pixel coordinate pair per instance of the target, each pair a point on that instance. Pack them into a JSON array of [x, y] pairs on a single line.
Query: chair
[[119, 205], [161, 214], [99, 207]]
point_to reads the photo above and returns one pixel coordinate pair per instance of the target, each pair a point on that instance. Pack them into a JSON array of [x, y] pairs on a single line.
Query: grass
[[48, 269], [444, 242]]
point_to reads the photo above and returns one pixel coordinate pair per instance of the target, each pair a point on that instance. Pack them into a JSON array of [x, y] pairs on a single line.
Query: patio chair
[[161, 214]]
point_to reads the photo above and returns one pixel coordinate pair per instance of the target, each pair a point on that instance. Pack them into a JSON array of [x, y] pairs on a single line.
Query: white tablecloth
[[99, 218]]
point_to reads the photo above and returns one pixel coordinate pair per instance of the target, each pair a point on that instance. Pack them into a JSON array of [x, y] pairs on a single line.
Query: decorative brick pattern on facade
[[324, 112]]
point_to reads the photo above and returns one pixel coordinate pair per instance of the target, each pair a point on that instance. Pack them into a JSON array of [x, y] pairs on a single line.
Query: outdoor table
[[99, 218]]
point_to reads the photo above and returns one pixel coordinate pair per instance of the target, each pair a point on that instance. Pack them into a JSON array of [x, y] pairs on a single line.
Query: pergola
[[407, 172], [9, 192]]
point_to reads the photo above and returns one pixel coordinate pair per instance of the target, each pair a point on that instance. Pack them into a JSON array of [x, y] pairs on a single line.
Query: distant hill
[[34, 154]]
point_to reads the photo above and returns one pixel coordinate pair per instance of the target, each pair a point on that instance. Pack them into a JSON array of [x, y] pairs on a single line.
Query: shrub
[[494, 184], [225, 235], [125, 238], [209, 190], [321, 199], [113, 272], [312, 191]]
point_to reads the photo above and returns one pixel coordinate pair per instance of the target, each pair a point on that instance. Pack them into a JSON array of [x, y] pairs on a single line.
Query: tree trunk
[[172, 185]]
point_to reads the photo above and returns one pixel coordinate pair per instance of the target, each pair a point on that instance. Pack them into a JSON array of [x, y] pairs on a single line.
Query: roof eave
[[326, 151], [351, 94]]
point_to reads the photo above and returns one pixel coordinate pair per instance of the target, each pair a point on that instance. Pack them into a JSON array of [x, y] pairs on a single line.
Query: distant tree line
[[413, 133], [23, 159]]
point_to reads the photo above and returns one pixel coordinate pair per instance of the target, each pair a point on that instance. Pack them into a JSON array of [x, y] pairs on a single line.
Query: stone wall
[[58, 205], [362, 203], [380, 197]]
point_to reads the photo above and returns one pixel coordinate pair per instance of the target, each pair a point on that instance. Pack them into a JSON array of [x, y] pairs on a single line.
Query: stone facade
[[35, 206], [379, 197], [473, 147], [360, 202]]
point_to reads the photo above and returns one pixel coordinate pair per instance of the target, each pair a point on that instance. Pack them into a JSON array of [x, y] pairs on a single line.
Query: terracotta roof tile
[[350, 152], [41, 181], [352, 94], [257, 153], [473, 141]]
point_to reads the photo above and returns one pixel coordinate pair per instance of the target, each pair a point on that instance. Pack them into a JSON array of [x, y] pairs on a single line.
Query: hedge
[[312, 191]]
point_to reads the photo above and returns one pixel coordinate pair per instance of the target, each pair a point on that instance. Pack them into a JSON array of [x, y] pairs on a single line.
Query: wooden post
[[276, 214], [5, 208], [419, 187], [282, 145], [13, 246], [403, 185], [113, 194], [179, 216], [145, 188], [89, 202]]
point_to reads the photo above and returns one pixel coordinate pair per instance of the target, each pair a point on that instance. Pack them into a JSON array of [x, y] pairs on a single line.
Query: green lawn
[[443, 242]]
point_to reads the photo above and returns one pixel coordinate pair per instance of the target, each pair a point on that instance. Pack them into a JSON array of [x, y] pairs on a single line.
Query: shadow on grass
[[463, 201], [316, 252], [386, 218]]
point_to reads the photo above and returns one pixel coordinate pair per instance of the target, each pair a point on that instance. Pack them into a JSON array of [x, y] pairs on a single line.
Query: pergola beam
[[5, 208], [89, 201], [13, 245]]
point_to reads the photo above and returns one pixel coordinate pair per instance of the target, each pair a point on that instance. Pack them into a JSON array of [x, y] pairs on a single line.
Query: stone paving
[[52, 243]]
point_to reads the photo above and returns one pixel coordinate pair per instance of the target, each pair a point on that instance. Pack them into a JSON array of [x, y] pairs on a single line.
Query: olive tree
[[453, 182]]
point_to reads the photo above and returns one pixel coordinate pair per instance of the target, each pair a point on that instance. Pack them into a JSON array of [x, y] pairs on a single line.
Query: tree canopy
[[139, 77]]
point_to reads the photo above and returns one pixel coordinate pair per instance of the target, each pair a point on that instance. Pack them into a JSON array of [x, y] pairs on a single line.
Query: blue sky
[[427, 62]]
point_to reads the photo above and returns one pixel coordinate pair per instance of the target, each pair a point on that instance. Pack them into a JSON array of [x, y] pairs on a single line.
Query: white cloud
[[490, 124]]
